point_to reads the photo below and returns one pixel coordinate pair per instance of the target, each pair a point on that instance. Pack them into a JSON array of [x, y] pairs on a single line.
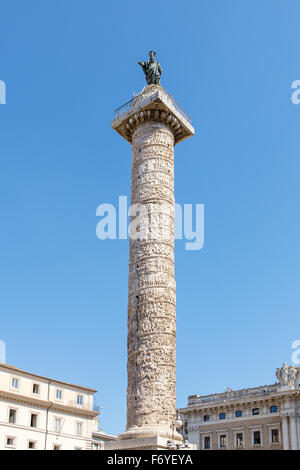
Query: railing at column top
[[130, 104]]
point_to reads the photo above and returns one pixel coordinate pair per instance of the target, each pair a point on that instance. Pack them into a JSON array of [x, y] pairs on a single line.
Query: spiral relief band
[[153, 125], [152, 296]]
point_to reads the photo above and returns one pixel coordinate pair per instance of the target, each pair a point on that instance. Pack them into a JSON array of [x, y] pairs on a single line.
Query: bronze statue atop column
[[151, 69]]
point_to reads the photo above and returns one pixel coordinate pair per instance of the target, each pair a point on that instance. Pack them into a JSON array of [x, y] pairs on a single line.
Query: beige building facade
[[265, 417], [37, 412]]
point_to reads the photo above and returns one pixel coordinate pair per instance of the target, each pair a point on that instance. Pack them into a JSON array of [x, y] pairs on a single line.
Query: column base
[[137, 432], [147, 443]]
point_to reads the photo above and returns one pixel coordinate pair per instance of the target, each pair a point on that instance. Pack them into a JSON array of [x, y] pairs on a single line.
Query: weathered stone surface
[[142, 443], [153, 126], [154, 104], [151, 394]]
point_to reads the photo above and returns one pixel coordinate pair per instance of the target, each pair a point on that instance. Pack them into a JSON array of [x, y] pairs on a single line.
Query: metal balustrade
[[135, 100]]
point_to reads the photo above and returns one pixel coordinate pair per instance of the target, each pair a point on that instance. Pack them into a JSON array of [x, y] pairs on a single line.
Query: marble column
[[151, 393], [153, 124]]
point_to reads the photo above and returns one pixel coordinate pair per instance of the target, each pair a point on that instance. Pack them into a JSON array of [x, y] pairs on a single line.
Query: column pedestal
[[143, 443]]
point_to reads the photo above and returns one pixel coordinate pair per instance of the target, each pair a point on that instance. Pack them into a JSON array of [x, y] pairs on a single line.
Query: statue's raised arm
[[151, 69]]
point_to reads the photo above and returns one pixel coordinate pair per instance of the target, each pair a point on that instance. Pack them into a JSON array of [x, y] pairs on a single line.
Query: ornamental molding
[[37, 403], [24, 399], [286, 375], [153, 104], [153, 115], [276, 398]]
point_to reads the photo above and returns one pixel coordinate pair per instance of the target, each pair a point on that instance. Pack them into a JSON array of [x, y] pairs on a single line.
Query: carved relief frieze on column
[[152, 123]]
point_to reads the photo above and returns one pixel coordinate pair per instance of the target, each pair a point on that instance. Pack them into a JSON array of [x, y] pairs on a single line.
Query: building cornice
[[36, 402], [241, 401], [104, 435], [16, 370]]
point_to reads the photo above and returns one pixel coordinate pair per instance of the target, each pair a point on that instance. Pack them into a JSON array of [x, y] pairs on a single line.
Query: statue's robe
[[152, 70]]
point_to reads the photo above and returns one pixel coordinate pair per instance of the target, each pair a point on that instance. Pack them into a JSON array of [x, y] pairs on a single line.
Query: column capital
[[153, 104]]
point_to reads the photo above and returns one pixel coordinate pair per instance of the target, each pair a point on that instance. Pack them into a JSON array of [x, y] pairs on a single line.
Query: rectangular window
[[206, 418], [15, 383], [31, 445], [10, 441], [255, 411], [239, 439], [207, 442], [33, 420], [238, 413], [223, 441], [57, 424], [256, 438], [56, 447], [79, 400], [12, 416], [59, 394], [78, 429], [36, 389], [222, 415], [274, 436], [273, 409]]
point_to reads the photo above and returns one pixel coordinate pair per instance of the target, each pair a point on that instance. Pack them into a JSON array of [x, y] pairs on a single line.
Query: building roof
[[30, 374], [250, 391], [230, 397], [104, 435]]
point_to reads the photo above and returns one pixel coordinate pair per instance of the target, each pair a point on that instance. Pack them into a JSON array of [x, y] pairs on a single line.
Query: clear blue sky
[[67, 65]]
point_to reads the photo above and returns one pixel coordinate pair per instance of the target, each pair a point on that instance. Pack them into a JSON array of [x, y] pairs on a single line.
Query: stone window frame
[[8, 413], [38, 393], [79, 400], [278, 427], [79, 425], [57, 418], [33, 441], [238, 431], [15, 377], [61, 393], [257, 428], [99, 444], [14, 445], [219, 434], [203, 435], [37, 420]]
